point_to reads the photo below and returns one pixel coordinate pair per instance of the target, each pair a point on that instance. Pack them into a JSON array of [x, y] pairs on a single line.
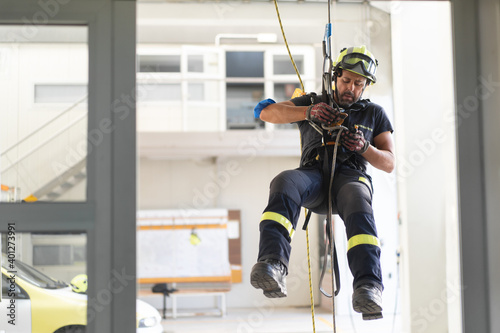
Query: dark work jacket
[[370, 118]]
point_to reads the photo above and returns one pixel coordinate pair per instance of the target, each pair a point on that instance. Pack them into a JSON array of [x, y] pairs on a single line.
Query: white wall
[[205, 184], [424, 113]]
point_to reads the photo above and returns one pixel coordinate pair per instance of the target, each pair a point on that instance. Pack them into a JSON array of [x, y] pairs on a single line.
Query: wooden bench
[[217, 288]]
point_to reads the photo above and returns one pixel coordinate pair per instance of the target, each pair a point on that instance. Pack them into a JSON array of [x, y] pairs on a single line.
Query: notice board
[[183, 246]]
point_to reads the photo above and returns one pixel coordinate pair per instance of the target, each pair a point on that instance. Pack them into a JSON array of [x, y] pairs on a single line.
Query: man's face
[[349, 88]]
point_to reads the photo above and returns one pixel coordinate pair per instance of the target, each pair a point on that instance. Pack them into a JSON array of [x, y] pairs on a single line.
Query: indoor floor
[[291, 320]]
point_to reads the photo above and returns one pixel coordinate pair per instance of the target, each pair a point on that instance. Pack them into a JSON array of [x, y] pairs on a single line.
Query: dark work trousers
[[352, 200]]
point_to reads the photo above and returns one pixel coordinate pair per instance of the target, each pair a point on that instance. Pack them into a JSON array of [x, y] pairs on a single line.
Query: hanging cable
[[286, 44], [311, 294]]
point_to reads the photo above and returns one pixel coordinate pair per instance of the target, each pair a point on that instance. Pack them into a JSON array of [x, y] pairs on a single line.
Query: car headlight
[[147, 322]]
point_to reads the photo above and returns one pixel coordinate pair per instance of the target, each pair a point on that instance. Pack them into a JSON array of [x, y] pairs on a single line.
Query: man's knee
[[284, 183], [354, 198], [282, 179]]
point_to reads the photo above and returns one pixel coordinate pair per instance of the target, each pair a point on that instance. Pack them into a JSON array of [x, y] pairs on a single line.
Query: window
[[52, 255], [159, 63], [252, 76], [59, 93], [196, 92], [195, 63], [245, 64], [148, 92], [241, 99], [243, 92], [283, 92], [282, 65], [281, 76]]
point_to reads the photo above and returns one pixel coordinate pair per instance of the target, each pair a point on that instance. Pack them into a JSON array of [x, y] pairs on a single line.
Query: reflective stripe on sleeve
[[367, 182], [280, 219], [364, 180], [362, 239]]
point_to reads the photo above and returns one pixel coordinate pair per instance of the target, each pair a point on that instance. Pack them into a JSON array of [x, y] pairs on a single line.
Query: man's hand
[[354, 141], [324, 114]]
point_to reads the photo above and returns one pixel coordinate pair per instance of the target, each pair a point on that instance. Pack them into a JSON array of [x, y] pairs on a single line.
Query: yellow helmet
[[357, 60], [79, 284]]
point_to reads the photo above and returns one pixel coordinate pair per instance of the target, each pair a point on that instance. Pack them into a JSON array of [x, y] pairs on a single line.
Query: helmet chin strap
[[336, 91], [362, 91]]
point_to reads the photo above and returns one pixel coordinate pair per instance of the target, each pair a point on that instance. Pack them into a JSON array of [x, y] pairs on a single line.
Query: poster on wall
[[172, 244]]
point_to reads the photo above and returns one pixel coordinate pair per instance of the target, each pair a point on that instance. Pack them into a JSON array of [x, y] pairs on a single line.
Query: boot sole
[[366, 305], [262, 277], [372, 316]]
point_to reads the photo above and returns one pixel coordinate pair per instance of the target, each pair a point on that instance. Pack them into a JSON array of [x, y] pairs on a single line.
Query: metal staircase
[[60, 185], [44, 165]]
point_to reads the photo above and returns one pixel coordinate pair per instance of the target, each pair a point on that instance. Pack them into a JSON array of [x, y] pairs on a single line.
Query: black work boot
[[367, 299], [269, 275]]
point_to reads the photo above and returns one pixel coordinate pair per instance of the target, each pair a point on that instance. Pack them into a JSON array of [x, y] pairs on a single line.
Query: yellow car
[[34, 302]]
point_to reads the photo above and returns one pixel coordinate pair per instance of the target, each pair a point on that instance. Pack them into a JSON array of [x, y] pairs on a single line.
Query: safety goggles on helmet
[[359, 61]]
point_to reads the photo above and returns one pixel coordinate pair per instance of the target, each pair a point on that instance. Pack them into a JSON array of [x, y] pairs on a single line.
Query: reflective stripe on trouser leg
[[276, 233], [353, 199], [276, 228], [363, 251], [281, 220], [362, 239]]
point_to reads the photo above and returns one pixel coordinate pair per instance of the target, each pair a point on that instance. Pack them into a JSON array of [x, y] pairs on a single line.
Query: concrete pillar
[[424, 117]]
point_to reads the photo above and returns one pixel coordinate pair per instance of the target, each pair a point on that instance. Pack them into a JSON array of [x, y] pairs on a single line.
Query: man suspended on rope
[[368, 140]]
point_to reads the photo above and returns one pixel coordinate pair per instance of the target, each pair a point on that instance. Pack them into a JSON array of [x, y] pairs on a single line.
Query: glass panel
[[34, 263], [159, 92], [159, 63], [59, 93], [244, 64], [195, 63], [282, 64], [284, 92], [52, 255], [43, 133], [196, 92], [212, 92], [241, 100]]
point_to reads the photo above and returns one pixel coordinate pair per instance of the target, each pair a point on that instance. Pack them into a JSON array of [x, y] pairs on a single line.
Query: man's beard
[[347, 104]]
